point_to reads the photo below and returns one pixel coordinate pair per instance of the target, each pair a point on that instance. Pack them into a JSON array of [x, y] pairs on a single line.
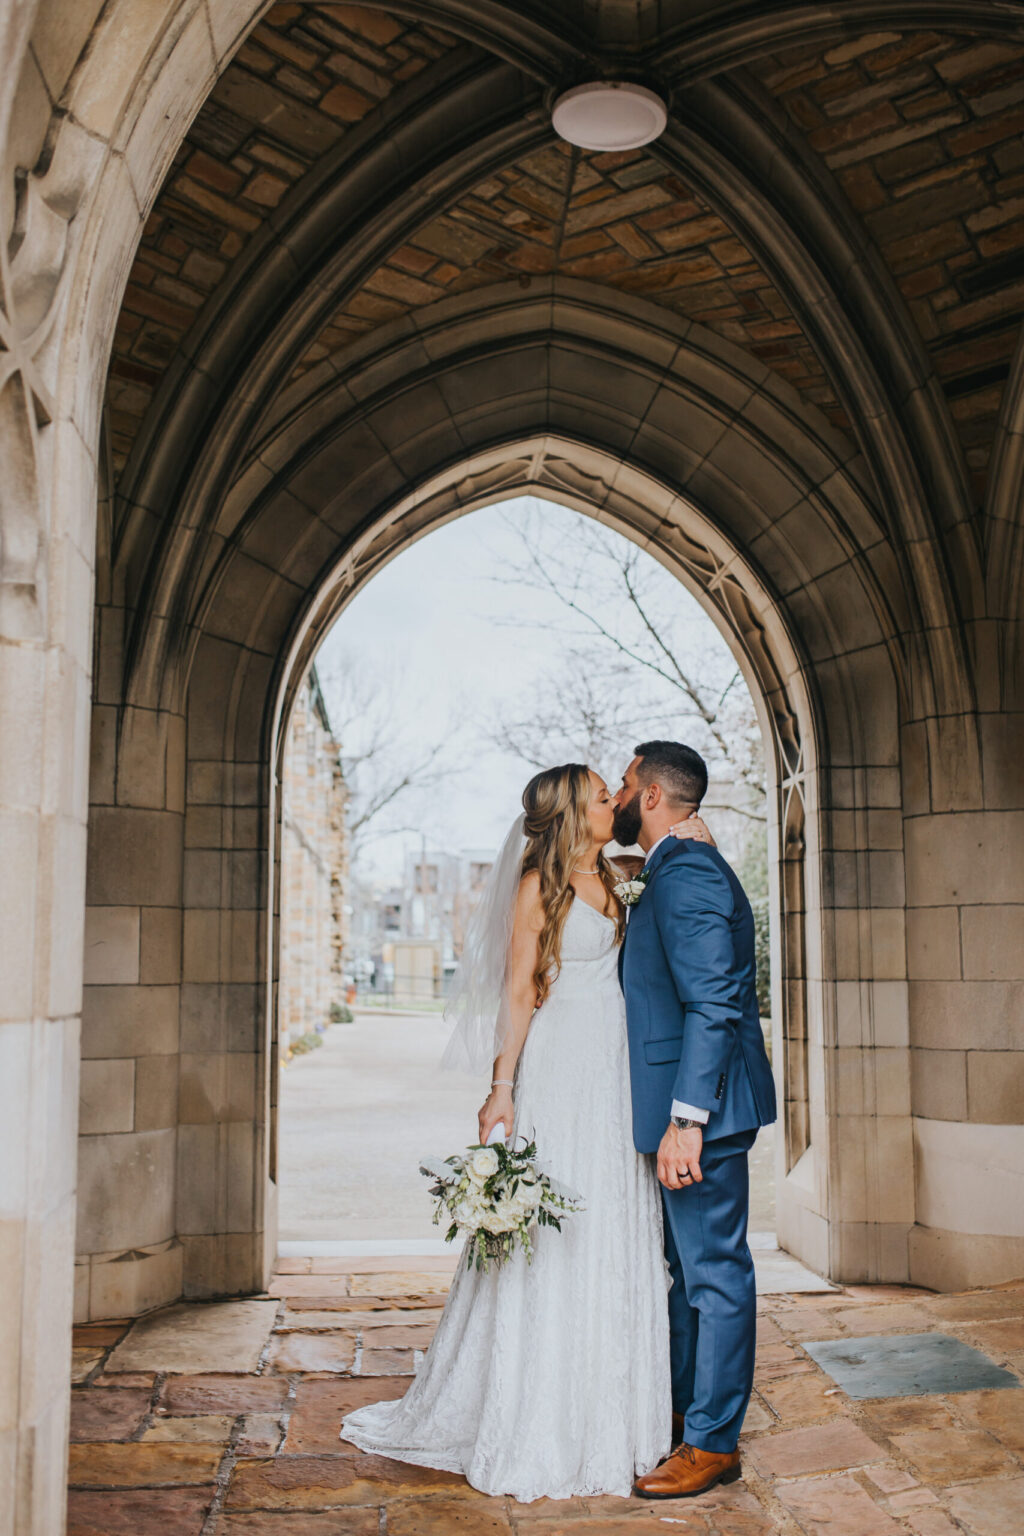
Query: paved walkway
[[221, 1419], [357, 1115]]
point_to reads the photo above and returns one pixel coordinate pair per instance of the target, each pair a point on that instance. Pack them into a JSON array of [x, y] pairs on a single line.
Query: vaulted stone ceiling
[[921, 130], [617, 219], [924, 133], [303, 77]]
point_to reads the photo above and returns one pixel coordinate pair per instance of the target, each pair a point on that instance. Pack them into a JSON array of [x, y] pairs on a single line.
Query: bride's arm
[[521, 1000]]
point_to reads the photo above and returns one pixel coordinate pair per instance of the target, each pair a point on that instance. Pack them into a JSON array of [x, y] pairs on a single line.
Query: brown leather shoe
[[688, 1471]]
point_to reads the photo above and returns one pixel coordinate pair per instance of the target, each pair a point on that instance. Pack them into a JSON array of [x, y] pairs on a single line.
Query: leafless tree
[[582, 707], [382, 769], [637, 665]]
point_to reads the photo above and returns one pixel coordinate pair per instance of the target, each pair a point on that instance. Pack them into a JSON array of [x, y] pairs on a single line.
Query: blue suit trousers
[[712, 1301]]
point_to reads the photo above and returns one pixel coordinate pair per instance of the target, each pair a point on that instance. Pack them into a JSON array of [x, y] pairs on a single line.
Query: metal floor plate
[[907, 1365]]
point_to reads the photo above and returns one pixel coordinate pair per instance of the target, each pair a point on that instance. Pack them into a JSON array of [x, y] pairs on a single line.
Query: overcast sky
[[434, 630]]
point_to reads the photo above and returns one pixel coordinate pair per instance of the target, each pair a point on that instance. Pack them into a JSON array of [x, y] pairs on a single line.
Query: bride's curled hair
[[558, 837]]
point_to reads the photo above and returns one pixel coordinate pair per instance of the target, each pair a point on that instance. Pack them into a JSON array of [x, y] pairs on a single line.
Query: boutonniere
[[630, 891]]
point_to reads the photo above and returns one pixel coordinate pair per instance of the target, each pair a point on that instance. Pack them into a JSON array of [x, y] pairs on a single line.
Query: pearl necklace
[[580, 871]]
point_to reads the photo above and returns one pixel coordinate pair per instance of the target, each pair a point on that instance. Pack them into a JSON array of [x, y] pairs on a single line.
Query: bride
[[550, 1379]]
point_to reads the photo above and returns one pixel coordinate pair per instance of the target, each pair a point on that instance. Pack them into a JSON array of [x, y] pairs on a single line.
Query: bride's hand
[[695, 828], [497, 1106]]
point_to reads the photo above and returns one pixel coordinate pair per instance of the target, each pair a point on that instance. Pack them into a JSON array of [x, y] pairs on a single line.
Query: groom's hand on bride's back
[[679, 1157]]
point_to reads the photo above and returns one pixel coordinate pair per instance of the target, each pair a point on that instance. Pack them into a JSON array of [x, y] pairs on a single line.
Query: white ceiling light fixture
[[609, 115]]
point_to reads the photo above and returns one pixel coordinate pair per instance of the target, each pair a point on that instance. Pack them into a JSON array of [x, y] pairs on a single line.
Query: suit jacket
[[688, 974]]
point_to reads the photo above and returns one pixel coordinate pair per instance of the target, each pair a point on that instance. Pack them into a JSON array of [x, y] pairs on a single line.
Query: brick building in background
[[314, 869]]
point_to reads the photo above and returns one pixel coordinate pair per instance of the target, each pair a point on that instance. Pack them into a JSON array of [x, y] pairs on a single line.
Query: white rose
[[527, 1197], [484, 1162]]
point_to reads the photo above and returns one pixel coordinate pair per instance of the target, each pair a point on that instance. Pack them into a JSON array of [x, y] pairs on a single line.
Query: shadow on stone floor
[[221, 1419]]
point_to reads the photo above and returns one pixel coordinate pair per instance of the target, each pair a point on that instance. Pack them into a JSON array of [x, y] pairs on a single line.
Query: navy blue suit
[[688, 974]]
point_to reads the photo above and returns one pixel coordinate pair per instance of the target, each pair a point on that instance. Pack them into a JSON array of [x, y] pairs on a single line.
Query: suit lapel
[[650, 869], [659, 856]]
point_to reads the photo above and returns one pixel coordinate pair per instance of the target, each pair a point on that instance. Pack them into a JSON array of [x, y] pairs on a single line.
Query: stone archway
[[596, 484], [672, 435]]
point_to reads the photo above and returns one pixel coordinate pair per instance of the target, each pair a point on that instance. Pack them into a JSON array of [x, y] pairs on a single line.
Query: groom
[[701, 1086]]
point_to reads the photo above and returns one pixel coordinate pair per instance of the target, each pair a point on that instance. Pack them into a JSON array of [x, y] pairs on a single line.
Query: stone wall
[[964, 830], [138, 1071], [314, 871]]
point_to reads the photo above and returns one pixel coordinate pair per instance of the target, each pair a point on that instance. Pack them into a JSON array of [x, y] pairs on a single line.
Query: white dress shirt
[[684, 1111]]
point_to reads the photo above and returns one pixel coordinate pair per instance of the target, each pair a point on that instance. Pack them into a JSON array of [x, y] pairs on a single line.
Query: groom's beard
[[627, 822]]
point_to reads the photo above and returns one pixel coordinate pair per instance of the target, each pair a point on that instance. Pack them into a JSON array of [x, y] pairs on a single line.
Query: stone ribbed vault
[[283, 287]]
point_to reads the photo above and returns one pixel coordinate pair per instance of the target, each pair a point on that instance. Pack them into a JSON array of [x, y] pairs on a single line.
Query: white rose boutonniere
[[630, 891]]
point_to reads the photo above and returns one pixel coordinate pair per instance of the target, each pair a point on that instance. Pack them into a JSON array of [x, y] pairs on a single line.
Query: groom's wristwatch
[[684, 1124]]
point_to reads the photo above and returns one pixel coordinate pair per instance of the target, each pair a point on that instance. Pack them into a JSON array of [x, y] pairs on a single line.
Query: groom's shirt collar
[[654, 846]]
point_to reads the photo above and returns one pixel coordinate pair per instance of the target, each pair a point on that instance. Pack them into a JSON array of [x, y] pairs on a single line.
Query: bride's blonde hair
[[558, 836]]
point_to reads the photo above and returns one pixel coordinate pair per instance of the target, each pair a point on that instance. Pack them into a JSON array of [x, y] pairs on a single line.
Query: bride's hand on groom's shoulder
[[693, 827]]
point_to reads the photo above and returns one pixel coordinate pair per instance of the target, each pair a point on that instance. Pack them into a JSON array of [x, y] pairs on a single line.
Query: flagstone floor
[[221, 1419]]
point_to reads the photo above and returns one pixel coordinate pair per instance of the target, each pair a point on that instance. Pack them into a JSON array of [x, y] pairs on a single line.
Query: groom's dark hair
[[681, 772]]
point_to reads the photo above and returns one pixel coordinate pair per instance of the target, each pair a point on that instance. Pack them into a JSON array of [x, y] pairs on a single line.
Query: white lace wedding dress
[[553, 1378]]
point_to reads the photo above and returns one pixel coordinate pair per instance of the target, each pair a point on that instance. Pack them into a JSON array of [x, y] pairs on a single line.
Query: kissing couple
[[619, 1021]]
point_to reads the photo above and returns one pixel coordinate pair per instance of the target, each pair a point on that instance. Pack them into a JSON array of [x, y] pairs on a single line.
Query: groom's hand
[[679, 1157]]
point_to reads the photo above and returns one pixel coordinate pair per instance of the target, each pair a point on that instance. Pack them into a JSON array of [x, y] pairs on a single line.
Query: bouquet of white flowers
[[494, 1195]]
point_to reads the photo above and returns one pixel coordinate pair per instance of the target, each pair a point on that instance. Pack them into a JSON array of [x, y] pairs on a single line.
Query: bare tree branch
[[418, 776], [708, 715], [589, 574], [737, 810], [379, 768]]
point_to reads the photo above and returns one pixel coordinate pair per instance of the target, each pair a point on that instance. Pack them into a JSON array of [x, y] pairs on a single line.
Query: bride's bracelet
[[502, 1082]]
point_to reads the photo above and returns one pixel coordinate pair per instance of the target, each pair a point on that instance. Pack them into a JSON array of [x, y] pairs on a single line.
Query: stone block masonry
[[314, 871]]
